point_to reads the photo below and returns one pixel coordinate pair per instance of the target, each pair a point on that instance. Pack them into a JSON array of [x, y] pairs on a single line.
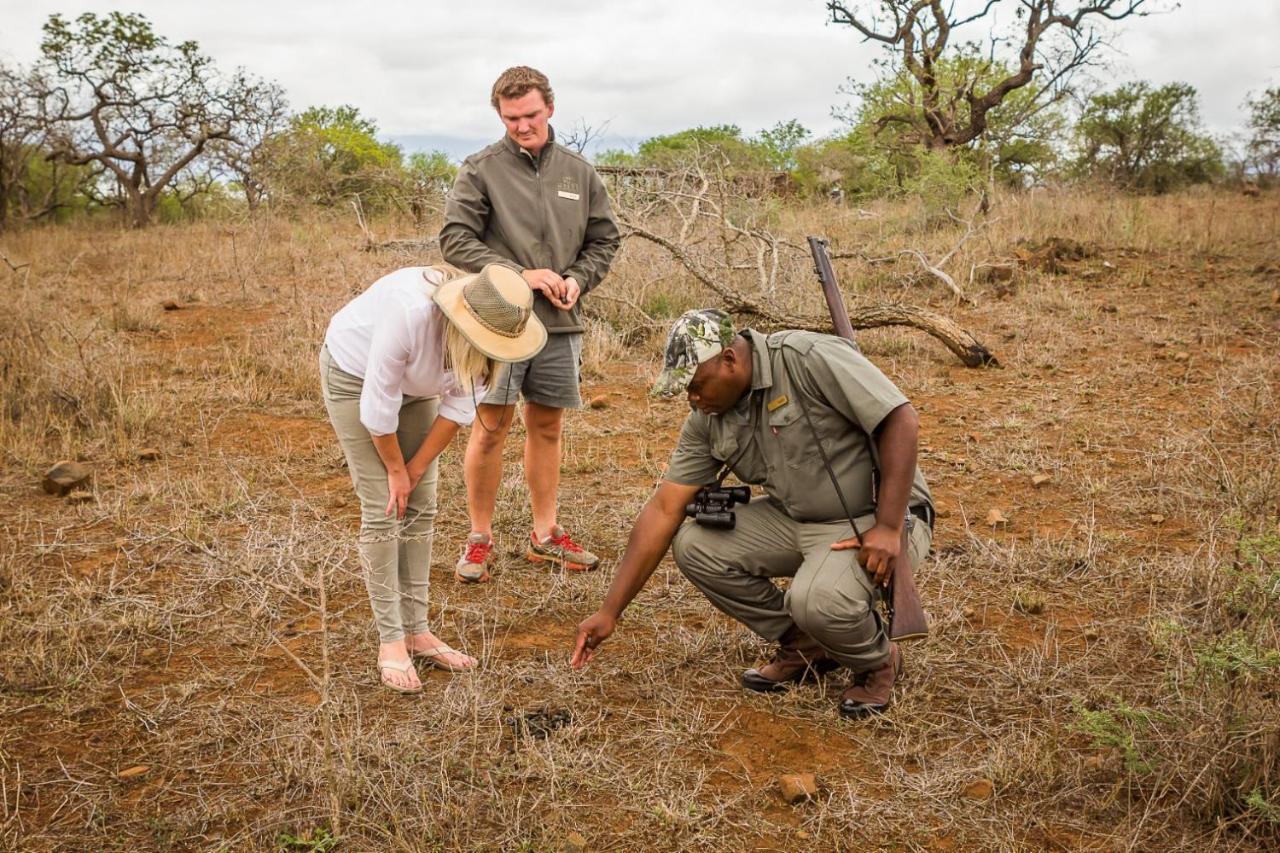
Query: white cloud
[[425, 68]]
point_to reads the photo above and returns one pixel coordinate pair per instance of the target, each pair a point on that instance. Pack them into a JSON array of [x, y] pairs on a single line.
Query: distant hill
[[458, 147]]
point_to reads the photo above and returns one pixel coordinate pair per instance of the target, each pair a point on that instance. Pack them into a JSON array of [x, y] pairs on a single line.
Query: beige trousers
[[395, 554], [831, 598]]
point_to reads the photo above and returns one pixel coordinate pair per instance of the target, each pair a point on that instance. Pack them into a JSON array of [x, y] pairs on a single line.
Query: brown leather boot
[[870, 692], [798, 659]]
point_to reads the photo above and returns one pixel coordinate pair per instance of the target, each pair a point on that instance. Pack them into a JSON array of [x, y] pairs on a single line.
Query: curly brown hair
[[518, 81]]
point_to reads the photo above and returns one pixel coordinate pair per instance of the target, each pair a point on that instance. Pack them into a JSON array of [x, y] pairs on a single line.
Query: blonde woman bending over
[[400, 369]]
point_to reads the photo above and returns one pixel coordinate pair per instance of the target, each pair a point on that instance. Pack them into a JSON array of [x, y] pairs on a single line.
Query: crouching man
[[796, 413]]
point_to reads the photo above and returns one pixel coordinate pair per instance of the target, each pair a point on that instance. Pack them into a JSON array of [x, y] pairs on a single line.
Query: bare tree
[[30, 187], [243, 157], [702, 219], [581, 134], [121, 96], [919, 33], [18, 133]]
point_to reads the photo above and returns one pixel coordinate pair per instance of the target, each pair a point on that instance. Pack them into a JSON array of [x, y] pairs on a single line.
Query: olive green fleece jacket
[[549, 212]]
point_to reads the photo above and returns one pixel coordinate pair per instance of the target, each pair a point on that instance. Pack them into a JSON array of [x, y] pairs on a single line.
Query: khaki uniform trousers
[[831, 598], [395, 554]]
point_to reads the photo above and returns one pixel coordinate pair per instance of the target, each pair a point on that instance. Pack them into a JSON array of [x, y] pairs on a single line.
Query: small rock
[[600, 401], [170, 305], [148, 454], [979, 790], [574, 842], [1156, 518], [1275, 297], [65, 477], [797, 787], [131, 772], [79, 496], [968, 612], [996, 518], [1040, 479], [1182, 355], [1109, 309], [1091, 633]]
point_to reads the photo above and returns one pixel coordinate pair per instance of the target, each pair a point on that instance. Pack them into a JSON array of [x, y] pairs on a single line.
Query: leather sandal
[[399, 666], [432, 656]]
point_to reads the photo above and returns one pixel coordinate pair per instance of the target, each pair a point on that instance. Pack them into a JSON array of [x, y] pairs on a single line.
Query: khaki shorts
[[550, 378]]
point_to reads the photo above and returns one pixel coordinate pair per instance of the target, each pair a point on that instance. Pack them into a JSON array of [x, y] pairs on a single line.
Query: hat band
[[521, 313]]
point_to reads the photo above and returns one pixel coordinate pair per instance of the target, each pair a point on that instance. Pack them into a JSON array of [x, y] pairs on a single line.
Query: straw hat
[[494, 310]]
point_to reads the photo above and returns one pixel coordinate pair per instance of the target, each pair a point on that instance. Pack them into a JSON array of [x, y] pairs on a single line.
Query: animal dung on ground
[[1028, 601], [600, 401], [65, 477], [797, 787]]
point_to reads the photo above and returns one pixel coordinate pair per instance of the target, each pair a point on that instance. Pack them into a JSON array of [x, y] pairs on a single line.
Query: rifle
[[907, 620]]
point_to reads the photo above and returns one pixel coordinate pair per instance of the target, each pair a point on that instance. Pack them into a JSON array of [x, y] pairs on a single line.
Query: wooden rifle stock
[[906, 614], [907, 620]]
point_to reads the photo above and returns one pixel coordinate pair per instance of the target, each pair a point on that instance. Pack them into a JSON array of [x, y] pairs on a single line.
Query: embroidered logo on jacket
[[568, 188]]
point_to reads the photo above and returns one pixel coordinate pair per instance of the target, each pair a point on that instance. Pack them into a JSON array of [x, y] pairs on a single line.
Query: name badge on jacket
[[568, 195]]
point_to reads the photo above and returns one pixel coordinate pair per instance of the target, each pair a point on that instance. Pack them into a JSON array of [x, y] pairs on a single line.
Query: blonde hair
[[468, 364]]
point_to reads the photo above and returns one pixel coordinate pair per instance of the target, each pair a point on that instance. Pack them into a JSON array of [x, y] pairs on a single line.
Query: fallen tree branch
[[938, 273], [11, 265], [962, 343], [401, 245]]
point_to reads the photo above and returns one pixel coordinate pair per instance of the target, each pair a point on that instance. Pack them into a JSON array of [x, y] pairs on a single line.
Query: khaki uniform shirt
[[550, 212], [847, 397]]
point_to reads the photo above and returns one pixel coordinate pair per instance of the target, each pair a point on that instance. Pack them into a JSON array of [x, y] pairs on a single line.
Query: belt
[[924, 512]]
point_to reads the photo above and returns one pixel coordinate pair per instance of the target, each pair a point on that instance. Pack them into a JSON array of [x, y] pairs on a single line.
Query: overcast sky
[[423, 69]]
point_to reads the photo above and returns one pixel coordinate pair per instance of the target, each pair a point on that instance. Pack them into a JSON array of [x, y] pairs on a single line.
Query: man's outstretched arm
[[650, 537]]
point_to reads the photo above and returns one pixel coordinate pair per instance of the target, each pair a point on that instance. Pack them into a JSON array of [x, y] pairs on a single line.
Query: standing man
[[542, 210], [763, 405]]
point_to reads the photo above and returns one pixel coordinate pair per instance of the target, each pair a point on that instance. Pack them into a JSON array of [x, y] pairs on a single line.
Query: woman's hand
[[414, 474], [398, 488]]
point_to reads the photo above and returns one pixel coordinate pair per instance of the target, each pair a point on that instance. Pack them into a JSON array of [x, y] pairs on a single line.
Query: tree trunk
[[139, 207]]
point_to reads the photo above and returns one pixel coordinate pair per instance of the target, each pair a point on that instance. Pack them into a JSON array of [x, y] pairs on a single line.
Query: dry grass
[[202, 616]]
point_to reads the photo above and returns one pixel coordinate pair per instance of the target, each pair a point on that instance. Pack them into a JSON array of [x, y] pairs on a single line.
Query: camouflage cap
[[697, 336]]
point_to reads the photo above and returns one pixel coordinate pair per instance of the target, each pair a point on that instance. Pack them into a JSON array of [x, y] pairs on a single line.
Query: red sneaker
[[559, 549], [473, 567]]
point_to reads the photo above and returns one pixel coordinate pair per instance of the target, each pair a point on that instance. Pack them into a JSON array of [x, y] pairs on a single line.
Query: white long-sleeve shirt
[[392, 336]]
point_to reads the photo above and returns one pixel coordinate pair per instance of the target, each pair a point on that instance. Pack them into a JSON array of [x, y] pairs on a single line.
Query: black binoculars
[[712, 506]]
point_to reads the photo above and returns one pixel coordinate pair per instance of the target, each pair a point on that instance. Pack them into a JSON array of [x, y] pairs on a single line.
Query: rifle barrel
[[830, 289]]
